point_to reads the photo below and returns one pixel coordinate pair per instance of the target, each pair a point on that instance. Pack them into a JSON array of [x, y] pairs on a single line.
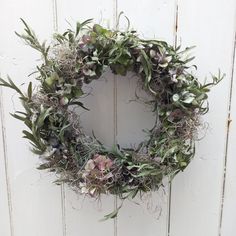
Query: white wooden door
[[200, 201]]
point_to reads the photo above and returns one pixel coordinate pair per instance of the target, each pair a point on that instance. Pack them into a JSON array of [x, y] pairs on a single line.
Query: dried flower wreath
[[178, 99]]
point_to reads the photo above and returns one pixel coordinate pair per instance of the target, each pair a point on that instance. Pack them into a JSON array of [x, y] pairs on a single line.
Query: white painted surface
[[99, 119], [229, 210], [41, 209], [6, 220], [197, 193], [36, 203], [151, 19]]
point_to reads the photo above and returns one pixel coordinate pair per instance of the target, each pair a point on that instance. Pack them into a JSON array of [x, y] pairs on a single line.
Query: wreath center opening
[[129, 111]]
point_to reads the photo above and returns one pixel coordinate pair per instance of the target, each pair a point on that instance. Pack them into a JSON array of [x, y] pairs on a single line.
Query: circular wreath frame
[[177, 99]]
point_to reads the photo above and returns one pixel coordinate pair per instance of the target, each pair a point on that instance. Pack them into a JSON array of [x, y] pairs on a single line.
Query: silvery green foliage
[[178, 99]]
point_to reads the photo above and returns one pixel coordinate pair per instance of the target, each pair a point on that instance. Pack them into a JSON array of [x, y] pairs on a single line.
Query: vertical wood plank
[[38, 208], [5, 204], [36, 202], [152, 19], [196, 193], [83, 214], [227, 224]]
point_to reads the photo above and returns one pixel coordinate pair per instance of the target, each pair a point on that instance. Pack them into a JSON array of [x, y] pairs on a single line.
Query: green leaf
[[31, 137], [79, 26], [10, 84], [30, 90], [146, 66], [31, 40], [77, 92], [62, 131], [43, 166], [79, 104], [187, 49], [43, 115], [52, 79], [98, 29], [37, 151], [18, 117], [112, 215]]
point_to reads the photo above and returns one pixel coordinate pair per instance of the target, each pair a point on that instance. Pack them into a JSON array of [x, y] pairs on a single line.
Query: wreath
[[75, 58]]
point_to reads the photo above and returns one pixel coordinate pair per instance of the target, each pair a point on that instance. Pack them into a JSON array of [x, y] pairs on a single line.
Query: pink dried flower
[[86, 39], [102, 162], [96, 173]]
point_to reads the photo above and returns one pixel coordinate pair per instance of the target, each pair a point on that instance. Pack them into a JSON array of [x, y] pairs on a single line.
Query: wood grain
[[152, 19], [202, 198], [6, 227], [197, 193], [83, 215], [228, 214], [36, 202]]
